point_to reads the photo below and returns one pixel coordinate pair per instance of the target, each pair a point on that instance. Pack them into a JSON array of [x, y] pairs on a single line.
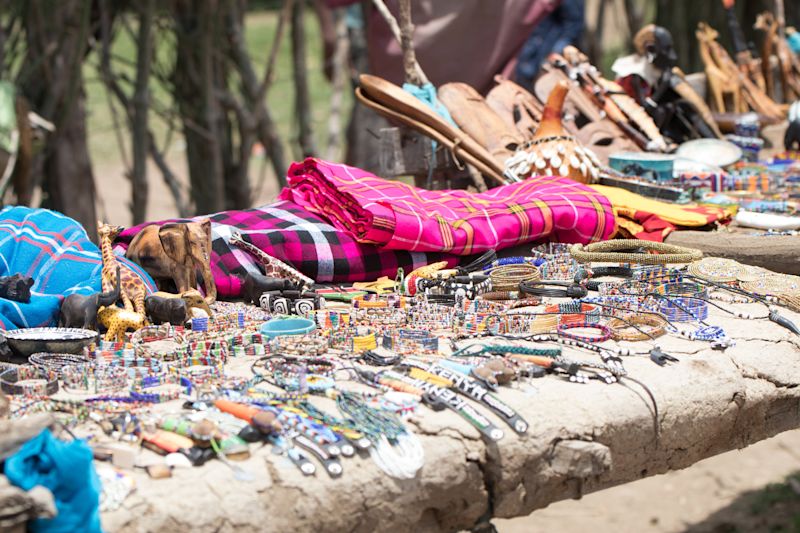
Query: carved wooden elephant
[[175, 252]]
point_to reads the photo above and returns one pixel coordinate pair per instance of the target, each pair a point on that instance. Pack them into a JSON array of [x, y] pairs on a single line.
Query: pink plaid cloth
[[401, 217]]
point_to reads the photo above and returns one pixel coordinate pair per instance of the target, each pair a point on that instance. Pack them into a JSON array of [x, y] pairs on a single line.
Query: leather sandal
[[397, 105], [472, 114]]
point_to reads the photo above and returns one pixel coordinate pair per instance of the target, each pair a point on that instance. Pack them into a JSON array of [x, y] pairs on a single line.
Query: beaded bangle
[[95, 378], [353, 340], [411, 341], [556, 263], [651, 326], [612, 252], [300, 345], [682, 288], [196, 375], [519, 323], [500, 295], [605, 332], [378, 319], [503, 261], [508, 277], [683, 309], [576, 311], [29, 381], [55, 362]]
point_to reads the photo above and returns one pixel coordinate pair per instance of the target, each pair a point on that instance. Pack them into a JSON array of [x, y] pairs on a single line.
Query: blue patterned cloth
[[56, 252]]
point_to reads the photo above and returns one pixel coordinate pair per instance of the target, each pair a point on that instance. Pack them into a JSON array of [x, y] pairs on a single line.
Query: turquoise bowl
[[291, 325], [636, 163]]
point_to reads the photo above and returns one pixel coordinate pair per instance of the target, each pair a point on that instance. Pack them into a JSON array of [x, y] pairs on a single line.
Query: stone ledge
[[582, 438]]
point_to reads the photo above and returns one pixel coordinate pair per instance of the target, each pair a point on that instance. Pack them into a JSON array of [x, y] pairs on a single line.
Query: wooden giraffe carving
[[724, 77], [133, 289], [787, 62], [767, 23], [721, 80], [271, 264]]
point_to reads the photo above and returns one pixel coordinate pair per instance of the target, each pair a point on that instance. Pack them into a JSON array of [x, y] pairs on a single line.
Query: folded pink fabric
[[402, 217]]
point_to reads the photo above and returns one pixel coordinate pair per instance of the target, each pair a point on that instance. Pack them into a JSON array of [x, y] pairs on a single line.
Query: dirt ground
[[754, 489]]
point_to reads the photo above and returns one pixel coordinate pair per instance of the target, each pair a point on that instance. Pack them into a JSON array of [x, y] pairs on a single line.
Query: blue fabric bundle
[[67, 470], [56, 252]]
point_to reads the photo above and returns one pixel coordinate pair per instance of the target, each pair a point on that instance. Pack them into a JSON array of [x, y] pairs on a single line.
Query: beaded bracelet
[[55, 362], [683, 309], [411, 341], [312, 344], [518, 323], [651, 326], [504, 261], [378, 319], [682, 288], [605, 332], [508, 277], [575, 311], [29, 381], [94, 378], [353, 340], [612, 252]]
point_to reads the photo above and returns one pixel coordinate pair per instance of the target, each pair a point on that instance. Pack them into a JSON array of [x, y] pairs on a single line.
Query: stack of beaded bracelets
[[528, 324], [56, 362], [683, 309], [94, 378], [508, 277], [353, 340], [411, 341], [29, 381], [299, 345]]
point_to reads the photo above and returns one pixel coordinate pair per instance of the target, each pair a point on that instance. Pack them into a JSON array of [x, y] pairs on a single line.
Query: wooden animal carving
[[724, 77], [16, 288], [176, 252], [132, 288], [722, 82], [170, 310], [80, 310], [256, 284], [272, 265], [192, 298], [788, 63], [767, 23], [117, 321]]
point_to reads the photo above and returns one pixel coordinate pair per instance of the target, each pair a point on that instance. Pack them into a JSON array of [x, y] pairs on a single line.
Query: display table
[[582, 438]]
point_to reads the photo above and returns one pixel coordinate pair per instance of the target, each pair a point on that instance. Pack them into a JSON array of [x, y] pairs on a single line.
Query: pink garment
[[457, 40], [401, 217]]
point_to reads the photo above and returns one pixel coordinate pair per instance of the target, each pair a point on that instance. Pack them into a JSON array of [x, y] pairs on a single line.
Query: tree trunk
[[195, 84], [52, 80], [302, 100], [141, 103]]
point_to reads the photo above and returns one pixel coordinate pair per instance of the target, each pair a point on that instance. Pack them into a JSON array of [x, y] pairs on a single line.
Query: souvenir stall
[[364, 354]]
